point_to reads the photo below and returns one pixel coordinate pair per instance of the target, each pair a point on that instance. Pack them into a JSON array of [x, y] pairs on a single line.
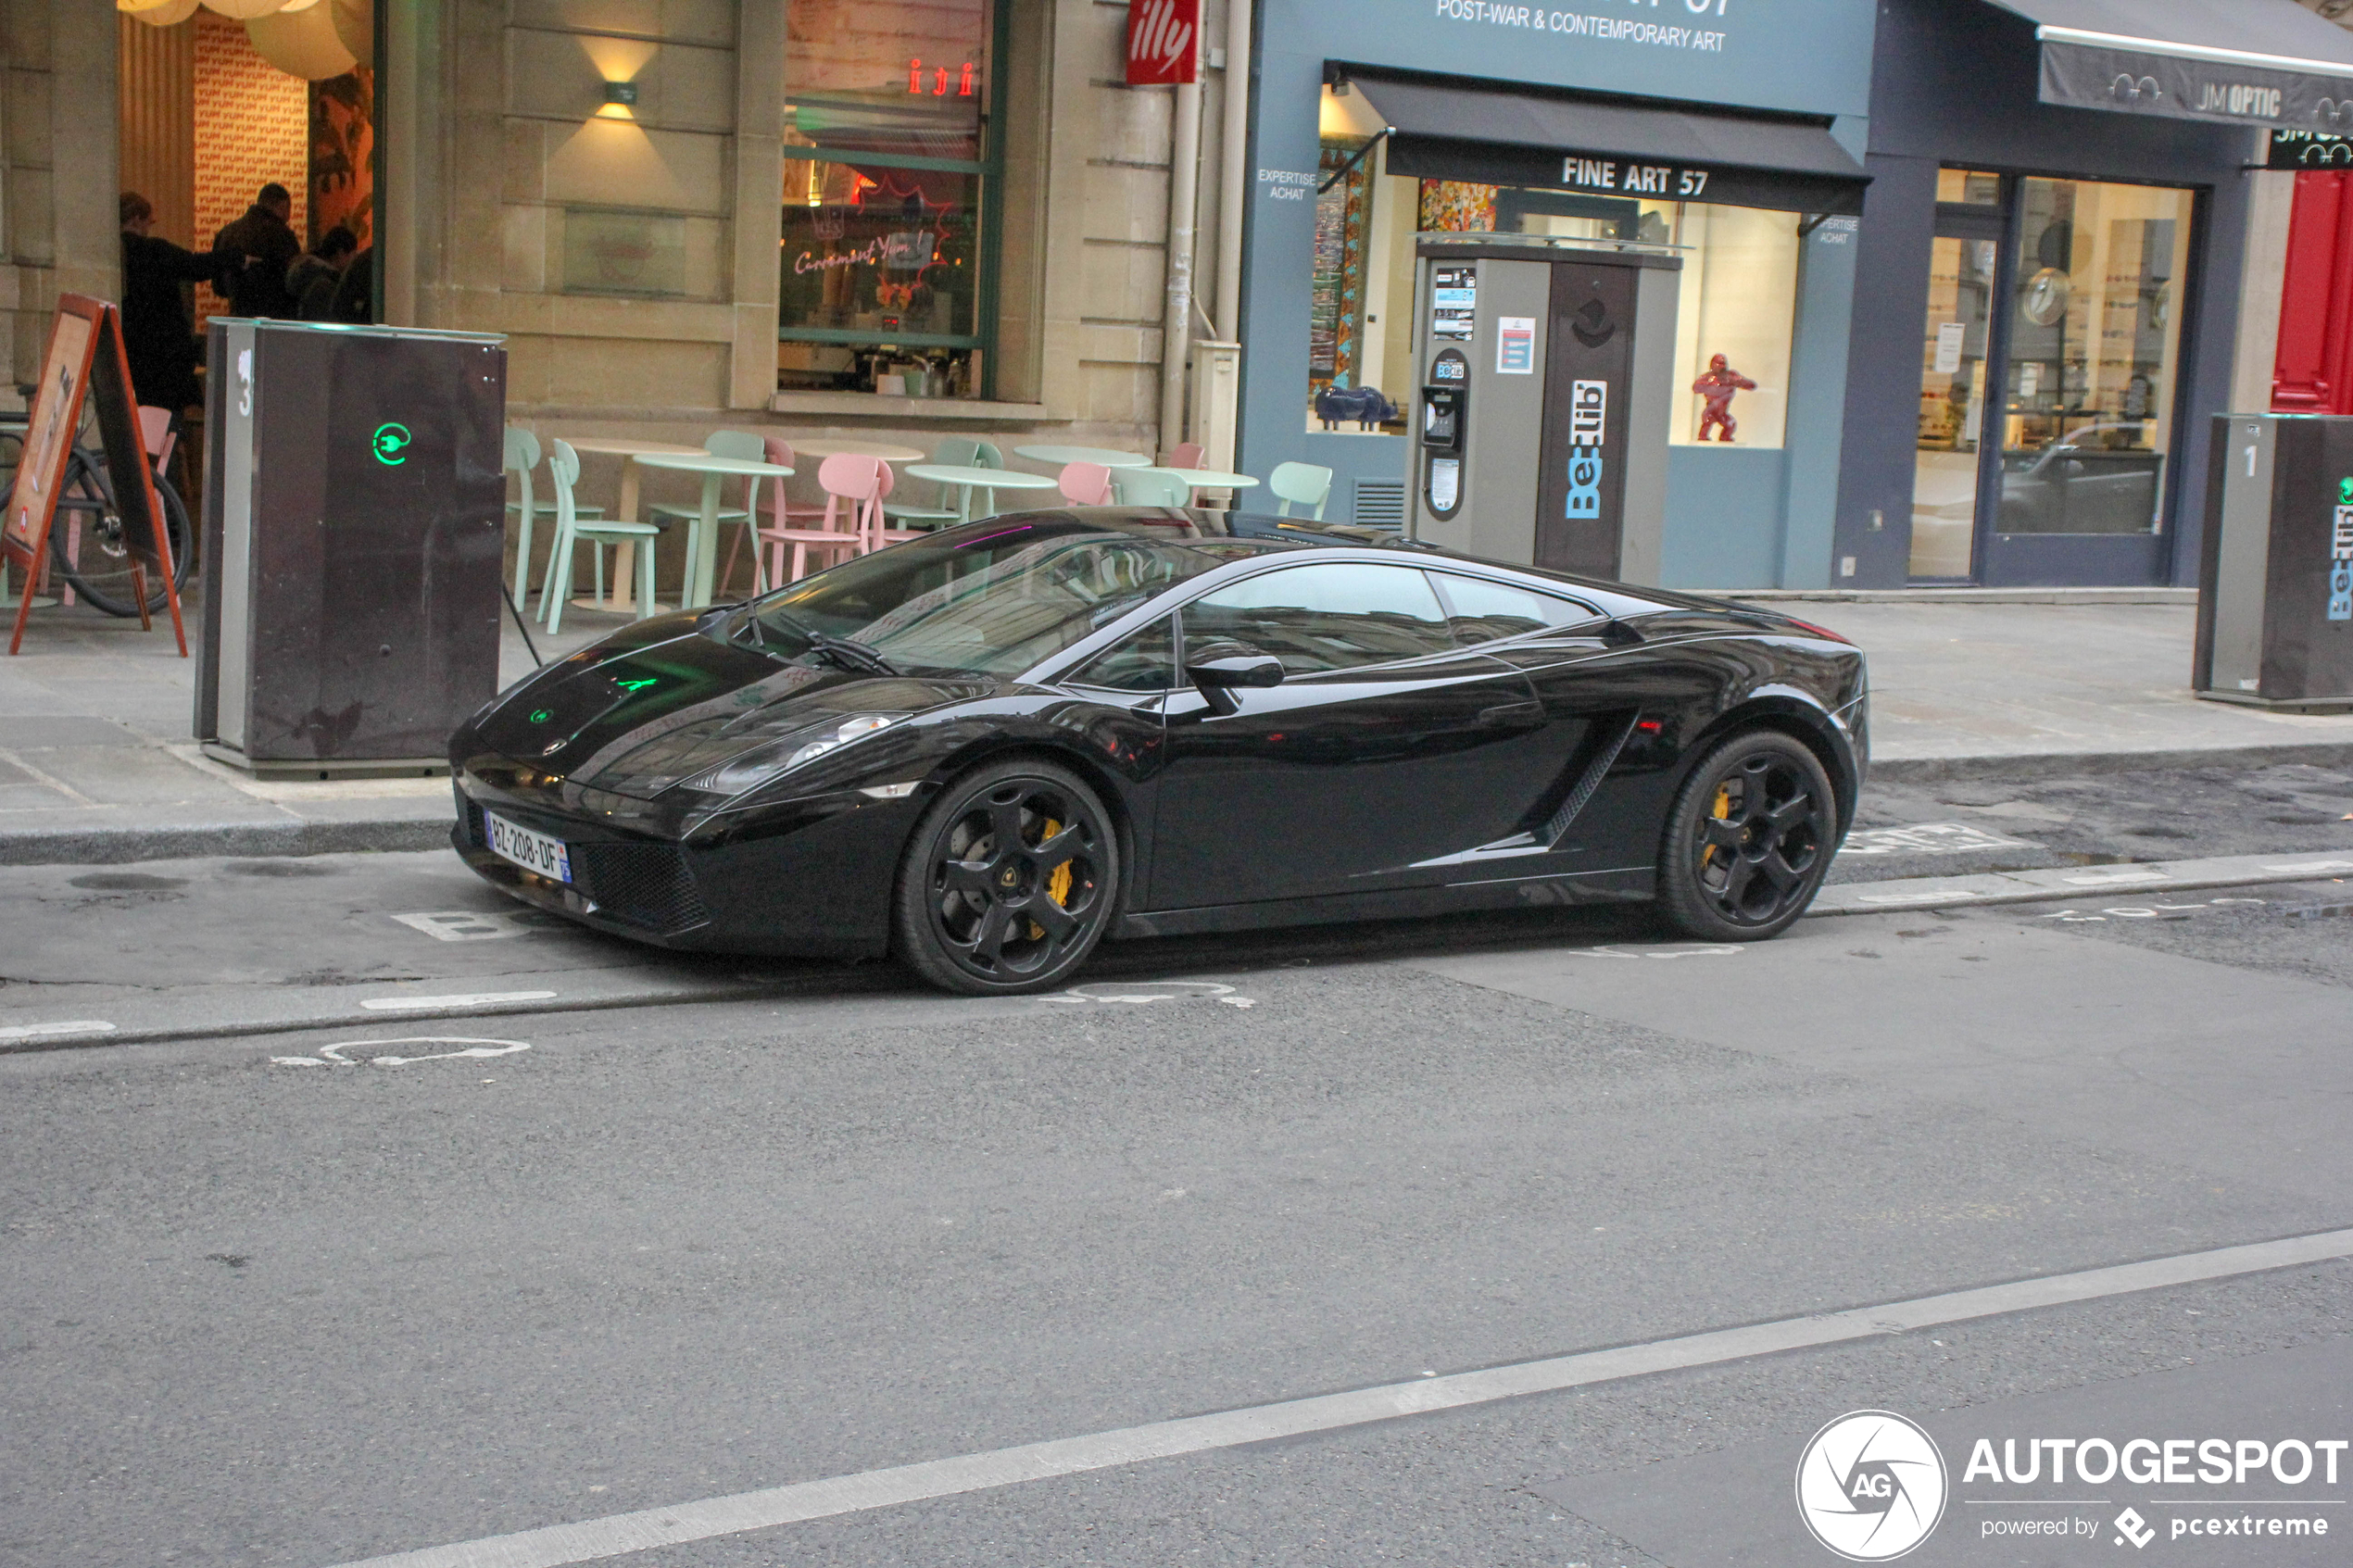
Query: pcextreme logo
[[1871, 1486]]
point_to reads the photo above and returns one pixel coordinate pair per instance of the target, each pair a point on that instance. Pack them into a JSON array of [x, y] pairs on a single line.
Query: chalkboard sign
[[85, 367]]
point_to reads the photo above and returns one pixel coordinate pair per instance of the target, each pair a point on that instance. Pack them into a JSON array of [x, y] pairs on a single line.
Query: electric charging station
[[354, 542], [2275, 583], [1544, 373]]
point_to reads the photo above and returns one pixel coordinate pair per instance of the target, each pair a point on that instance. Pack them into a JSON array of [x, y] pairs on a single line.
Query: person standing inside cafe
[[159, 336], [254, 253], [315, 280]]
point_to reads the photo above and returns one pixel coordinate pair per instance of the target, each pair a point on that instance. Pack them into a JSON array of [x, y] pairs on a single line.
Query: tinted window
[[982, 599], [1486, 610], [1333, 615], [1145, 662]]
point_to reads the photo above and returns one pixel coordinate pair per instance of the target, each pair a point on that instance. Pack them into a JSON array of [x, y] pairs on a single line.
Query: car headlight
[[761, 763]]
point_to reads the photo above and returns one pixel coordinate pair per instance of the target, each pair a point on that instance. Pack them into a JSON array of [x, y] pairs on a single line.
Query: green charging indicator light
[[391, 443]]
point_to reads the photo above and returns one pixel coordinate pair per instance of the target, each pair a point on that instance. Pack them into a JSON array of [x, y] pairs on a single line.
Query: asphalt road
[[263, 1307]]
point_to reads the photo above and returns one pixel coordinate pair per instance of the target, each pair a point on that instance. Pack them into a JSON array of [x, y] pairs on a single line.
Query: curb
[[2068, 764], [1960, 596], [118, 845]]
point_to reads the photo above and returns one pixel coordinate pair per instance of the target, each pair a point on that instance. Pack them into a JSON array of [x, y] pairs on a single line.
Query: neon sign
[[967, 79]]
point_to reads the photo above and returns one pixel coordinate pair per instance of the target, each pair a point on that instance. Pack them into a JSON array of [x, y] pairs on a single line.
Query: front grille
[[470, 818], [639, 884]]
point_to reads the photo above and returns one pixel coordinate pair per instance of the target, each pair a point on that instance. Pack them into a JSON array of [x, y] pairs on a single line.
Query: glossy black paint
[[1536, 769]]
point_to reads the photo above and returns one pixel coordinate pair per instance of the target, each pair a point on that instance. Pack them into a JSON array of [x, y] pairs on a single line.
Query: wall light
[[619, 96]]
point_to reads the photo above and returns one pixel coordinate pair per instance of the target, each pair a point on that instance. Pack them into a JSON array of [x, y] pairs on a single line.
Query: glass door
[[2092, 356], [1957, 349]]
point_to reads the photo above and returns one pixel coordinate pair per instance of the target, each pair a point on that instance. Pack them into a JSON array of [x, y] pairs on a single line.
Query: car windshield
[[976, 600]]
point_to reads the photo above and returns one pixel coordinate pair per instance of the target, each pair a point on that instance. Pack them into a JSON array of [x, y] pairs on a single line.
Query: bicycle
[[86, 544]]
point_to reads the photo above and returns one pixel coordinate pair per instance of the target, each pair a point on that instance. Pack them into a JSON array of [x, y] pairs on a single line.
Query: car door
[[1386, 748], [1622, 707]]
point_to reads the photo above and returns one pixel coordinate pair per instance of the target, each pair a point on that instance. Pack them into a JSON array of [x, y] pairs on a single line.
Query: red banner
[[1164, 41]]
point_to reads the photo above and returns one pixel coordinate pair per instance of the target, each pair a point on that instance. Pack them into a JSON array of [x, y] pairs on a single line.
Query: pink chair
[[878, 532], [779, 452], [1187, 455], [1086, 484], [840, 529]]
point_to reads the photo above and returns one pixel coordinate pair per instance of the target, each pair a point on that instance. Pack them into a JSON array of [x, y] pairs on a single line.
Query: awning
[[1442, 128], [2269, 63]]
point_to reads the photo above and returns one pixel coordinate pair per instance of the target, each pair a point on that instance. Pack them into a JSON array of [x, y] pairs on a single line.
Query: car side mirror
[[1217, 667]]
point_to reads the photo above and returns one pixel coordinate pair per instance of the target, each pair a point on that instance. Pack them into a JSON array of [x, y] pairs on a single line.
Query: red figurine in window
[[1718, 386]]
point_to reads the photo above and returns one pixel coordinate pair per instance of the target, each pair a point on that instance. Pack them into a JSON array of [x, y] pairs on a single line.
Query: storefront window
[[1738, 296], [2093, 340], [886, 172], [1968, 187]]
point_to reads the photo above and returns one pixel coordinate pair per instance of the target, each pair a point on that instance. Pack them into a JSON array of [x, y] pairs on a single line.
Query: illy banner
[[1163, 43]]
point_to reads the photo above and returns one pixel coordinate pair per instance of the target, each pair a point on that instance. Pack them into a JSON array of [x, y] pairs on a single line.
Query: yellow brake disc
[[1057, 883], [1723, 809]]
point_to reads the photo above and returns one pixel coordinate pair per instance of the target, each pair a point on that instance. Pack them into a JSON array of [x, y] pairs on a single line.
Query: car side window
[[1145, 662], [1484, 610], [1330, 614]]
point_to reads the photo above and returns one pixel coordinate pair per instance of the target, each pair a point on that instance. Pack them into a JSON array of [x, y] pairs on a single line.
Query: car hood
[[634, 717]]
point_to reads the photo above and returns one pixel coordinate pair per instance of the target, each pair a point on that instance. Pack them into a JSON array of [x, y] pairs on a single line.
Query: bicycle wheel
[[98, 563]]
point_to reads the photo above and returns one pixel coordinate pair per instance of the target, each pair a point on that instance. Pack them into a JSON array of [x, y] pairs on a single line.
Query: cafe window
[[1738, 293], [889, 167]]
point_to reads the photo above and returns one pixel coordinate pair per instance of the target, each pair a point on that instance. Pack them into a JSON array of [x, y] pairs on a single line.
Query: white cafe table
[[1208, 479], [1062, 456], [967, 479], [702, 542], [623, 601], [829, 447]]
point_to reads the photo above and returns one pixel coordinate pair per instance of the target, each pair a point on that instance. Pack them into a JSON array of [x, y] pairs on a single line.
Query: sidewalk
[[98, 766]]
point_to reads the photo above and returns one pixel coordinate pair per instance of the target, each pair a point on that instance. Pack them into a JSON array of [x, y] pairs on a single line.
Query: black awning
[[1442, 129], [2267, 63]]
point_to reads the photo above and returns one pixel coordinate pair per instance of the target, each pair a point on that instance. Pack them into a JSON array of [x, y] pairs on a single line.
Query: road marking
[[466, 925], [617, 1534], [43, 1031], [1928, 838], [477, 1000], [1947, 896], [1692, 951], [1142, 991], [332, 1056]]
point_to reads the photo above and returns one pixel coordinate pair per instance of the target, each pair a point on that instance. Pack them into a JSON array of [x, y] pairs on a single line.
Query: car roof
[[1276, 534]]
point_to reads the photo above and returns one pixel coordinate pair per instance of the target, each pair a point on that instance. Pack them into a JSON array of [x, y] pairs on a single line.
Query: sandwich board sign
[[84, 366]]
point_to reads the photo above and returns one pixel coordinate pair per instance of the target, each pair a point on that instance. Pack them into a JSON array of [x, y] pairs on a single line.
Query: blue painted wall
[[1807, 56], [1726, 517]]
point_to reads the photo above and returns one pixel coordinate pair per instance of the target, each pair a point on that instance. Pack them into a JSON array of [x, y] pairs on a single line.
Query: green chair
[[571, 528], [521, 457], [723, 444], [1150, 487], [1309, 484], [956, 452]]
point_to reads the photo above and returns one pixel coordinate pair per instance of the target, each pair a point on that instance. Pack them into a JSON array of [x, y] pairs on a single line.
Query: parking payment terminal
[[1444, 407], [1567, 347]]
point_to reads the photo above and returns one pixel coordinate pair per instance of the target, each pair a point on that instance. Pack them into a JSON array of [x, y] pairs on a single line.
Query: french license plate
[[533, 851]]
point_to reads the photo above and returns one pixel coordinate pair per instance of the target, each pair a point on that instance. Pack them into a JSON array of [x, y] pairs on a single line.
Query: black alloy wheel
[[1749, 840], [1008, 882]]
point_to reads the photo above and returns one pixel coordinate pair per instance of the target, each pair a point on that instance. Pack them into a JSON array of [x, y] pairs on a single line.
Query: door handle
[[1513, 716]]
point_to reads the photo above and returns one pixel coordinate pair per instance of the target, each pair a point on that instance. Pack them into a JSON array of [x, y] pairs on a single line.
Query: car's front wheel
[[1008, 881], [1748, 841]]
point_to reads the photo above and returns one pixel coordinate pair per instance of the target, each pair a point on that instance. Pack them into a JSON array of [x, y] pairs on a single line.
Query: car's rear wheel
[[1008, 882], [1748, 841]]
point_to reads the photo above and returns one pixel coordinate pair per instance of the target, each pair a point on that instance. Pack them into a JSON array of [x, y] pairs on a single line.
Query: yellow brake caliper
[[1723, 809], [1057, 884]]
